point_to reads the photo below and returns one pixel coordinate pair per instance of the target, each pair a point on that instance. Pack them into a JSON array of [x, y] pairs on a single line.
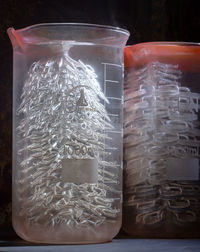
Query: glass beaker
[[162, 140], [67, 132]]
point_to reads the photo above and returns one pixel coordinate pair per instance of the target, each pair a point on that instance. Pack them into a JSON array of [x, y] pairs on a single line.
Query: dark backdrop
[[147, 20]]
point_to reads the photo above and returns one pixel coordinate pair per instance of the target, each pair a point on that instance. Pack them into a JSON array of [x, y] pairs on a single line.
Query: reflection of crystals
[[160, 122], [63, 118]]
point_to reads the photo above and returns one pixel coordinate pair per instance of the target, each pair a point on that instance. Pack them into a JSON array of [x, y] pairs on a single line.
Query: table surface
[[117, 245]]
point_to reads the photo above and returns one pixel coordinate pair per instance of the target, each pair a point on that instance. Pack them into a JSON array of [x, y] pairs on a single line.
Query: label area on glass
[[183, 169], [79, 171]]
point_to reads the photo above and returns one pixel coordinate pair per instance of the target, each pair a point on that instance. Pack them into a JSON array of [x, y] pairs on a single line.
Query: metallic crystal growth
[[161, 128], [63, 117]]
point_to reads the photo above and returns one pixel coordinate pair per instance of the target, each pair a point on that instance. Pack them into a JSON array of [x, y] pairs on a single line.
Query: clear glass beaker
[[67, 132], [162, 140]]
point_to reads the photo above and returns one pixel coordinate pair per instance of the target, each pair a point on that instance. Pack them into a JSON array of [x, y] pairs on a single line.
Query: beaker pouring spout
[[15, 38]]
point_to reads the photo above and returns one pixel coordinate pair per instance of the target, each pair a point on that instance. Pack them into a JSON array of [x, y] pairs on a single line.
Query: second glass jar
[[162, 140]]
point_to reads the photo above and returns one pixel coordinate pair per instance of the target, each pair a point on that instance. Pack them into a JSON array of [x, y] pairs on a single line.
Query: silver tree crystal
[[161, 139], [63, 124]]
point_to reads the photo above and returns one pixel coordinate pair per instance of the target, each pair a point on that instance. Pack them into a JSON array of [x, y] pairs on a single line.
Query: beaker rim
[[170, 43], [88, 25], [184, 54], [74, 33]]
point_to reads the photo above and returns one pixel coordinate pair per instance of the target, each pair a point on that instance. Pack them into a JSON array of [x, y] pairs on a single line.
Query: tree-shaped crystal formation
[[161, 140], [63, 121]]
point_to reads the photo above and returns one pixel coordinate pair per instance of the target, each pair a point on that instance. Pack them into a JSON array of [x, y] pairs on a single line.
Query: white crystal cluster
[[62, 116], [161, 126]]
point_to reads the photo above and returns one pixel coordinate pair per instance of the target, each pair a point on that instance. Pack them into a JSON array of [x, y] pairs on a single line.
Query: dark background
[[147, 20]]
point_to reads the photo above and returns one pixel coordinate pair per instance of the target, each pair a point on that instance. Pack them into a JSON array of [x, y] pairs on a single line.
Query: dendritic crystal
[[63, 127], [161, 146]]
